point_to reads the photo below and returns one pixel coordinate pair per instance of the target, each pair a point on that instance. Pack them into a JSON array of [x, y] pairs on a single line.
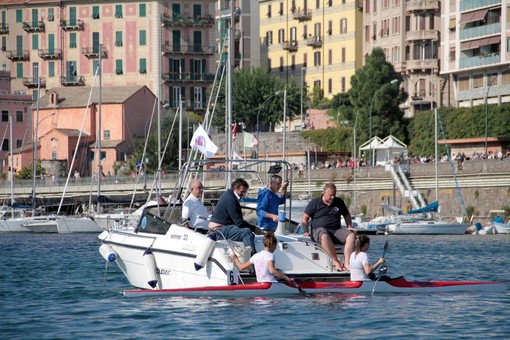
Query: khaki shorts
[[338, 235]]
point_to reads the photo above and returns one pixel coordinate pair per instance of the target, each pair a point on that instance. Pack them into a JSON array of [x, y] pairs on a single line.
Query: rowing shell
[[396, 285]]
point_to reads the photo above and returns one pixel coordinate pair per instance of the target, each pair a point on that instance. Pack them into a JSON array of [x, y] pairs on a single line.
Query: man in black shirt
[[227, 216], [325, 213]]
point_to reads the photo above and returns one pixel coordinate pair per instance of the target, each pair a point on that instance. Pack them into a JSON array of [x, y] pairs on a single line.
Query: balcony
[[291, 46], [468, 5], [188, 77], [22, 55], [32, 82], [314, 42], [227, 11], [478, 61], [422, 5], [72, 25], [35, 27], [93, 52], [72, 81], [422, 35], [302, 15], [422, 65], [52, 54], [189, 49], [4, 28]]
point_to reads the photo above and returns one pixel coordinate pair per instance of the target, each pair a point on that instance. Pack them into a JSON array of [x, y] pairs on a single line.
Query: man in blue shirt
[[268, 202]]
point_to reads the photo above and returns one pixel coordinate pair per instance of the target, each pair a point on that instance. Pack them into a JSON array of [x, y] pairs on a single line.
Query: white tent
[[390, 148], [372, 145]]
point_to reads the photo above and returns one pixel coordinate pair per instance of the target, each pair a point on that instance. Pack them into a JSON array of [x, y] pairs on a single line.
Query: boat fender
[[107, 252], [150, 268], [204, 251], [280, 229]]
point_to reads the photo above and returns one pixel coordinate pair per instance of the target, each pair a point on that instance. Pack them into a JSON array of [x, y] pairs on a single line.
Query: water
[[55, 287]]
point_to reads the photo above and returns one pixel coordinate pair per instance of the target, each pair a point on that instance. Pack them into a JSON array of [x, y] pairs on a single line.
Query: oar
[[299, 288], [383, 269]]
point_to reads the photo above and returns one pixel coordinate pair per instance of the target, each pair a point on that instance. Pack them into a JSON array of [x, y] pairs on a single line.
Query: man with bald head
[[194, 213]]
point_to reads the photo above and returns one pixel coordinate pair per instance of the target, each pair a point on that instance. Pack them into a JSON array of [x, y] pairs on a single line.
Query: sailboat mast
[[99, 169], [230, 65], [437, 154], [34, 145], [12, 164]]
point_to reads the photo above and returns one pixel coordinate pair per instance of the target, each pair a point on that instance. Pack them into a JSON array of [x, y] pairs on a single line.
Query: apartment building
[[316, 44], [409, 34], [170, 47], [475, 53]]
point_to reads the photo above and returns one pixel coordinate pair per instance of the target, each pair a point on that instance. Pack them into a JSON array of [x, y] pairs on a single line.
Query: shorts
[[338, 235]]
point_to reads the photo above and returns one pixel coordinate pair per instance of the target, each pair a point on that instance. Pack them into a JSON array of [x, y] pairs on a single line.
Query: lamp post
[[394, 81], [487, 110], [302, 84], [277, 93]]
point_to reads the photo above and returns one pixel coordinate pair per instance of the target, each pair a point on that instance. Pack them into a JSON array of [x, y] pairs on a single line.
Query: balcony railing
[[189, 49], [4, 28], [75, 25], [47, 54], [422, 5], [93, 52], [32, 82], [479, 31], [35, 27], [314, 41], [18, 55], [482, 60], [201, 21], [291, 46], [422, 64], [72, 80], [467, 5], [302, 15], [422, 35], [188, 77]]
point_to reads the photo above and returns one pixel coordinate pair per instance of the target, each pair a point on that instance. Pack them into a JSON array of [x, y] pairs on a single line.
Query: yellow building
[[314, 44]]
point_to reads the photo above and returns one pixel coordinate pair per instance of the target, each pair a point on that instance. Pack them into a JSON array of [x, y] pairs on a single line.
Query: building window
[[305, 58], [343, 55], [118, 11], [293, 62], [330, 27], [118, 38], [343, 26], [143, 65], [19, 116], [5, 116], [269, 11], [72, 40], [143, 37], [35, 42], [343, 85], [19, 143], [51, 69], [19, 15], [19, 70], [478, 81], [51, 14], [95, 12], [269, 38], [281, 35], [5, 144], [142, 9], [106, 135], [54, 142], [330, 85], [316, 59], [118, 66], [4, 43], [281, 64], [281, 9], [53, 155], [330, 57]]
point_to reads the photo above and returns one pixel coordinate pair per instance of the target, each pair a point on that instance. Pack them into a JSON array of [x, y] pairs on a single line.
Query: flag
[[201, 142], [250, 140], [236, 157], [234, 132]]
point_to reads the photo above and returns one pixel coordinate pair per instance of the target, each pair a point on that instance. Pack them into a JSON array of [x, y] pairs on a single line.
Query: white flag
[[236, 157], [250, 140], [203, 143]]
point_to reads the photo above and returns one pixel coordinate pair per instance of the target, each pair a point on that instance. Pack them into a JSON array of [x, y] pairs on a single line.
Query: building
[[68, 123], [316, 45], [475, 54], [15, 106], [167, 46], [409, 33]]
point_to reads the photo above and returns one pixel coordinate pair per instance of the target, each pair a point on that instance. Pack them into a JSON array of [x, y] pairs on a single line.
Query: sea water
[[59, 287]]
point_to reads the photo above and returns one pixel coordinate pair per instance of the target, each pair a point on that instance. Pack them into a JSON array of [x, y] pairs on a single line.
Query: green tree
[[251, 89], [26, 172], [371, 83]]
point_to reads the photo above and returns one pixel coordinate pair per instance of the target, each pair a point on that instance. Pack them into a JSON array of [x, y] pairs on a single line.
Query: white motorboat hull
[[427, 228], [61, 225], [13, 225], [390, 286], [501, 228]]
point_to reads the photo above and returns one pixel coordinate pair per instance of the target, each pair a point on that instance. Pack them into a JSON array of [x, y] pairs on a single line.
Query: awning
[[473, 16], [469, 45]]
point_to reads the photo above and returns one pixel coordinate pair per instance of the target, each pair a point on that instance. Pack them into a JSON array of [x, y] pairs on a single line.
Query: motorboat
[[11, 220], [488, 225], [501, 228], [61, 224]]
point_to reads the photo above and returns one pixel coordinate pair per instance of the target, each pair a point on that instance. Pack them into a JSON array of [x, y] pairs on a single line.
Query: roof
[[473, 140], [71, 132], [106, 144], [79, 96]]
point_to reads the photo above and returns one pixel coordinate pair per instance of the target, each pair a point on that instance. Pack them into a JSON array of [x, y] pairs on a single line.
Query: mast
[[12, 164], [99, 169], [34, 145]]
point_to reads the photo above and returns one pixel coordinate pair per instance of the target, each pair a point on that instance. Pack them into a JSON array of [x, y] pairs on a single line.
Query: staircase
[[400, 180]]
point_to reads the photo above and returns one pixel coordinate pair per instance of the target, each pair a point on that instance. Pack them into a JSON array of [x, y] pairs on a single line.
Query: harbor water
[[59, 287]]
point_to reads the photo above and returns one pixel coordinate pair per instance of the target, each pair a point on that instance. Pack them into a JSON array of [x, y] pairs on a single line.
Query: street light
[[277, 93], [487, 110], [394, 81]]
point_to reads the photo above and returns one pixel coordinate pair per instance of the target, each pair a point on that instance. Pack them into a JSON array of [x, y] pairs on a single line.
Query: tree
[[251, 89], [26, 172], [371, 83]]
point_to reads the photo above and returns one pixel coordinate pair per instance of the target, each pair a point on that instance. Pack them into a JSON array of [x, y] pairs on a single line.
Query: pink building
[[18, 107], [66, 123]]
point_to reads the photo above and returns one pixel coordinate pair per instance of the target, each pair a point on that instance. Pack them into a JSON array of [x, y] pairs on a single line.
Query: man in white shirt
[[194, 212]]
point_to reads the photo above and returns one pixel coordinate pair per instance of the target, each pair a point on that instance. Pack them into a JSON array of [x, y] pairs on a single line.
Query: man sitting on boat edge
[[194, 213], [227, 216]]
